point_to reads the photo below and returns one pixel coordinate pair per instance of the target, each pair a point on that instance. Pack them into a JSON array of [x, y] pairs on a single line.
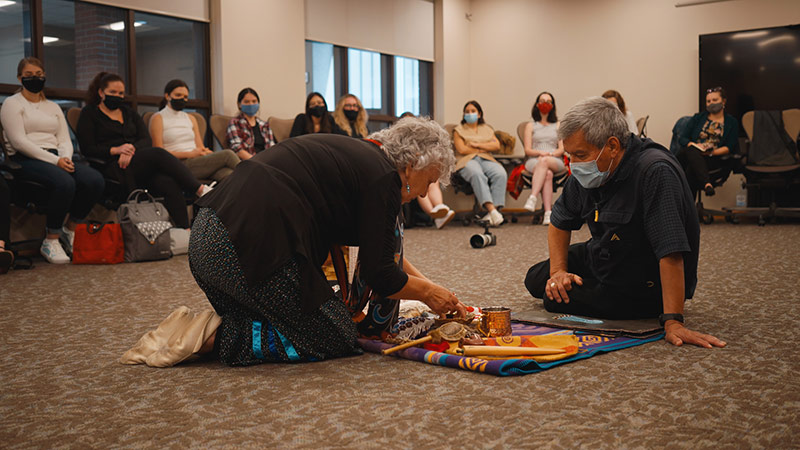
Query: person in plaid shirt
[[247, 134]]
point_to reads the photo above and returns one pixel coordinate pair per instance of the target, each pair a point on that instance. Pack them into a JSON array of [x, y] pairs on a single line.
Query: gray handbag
[[145, 227]]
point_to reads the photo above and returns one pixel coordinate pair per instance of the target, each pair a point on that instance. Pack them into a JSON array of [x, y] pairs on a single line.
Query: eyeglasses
[[714, 89]]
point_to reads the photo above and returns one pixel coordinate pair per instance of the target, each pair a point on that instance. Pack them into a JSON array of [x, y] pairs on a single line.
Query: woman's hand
[[124, 149], [443, 301], [124, 160], [559, 283], [66, 164], [677, 335]]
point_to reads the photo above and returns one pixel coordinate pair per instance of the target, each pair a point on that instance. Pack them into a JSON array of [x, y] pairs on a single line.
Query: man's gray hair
[[599, 119], [418, 142]]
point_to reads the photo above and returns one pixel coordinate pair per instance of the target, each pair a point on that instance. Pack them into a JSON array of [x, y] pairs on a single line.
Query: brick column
[[97, 48]]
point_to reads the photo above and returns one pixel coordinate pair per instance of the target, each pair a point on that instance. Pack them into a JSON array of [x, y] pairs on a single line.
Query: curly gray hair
[[418, 142], [598, 118]]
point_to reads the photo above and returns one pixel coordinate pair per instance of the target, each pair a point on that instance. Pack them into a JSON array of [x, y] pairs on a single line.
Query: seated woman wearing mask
[[38, 140], [316, 119], [474, 139], [312, 193], [545, 153], [110, 130], [707, 135], [177, 132], [351, 117], [247, 134]]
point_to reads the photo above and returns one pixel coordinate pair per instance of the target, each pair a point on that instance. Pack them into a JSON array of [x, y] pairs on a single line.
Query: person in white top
[[37, 138], [177, 132], [545, 152], [616, 98]]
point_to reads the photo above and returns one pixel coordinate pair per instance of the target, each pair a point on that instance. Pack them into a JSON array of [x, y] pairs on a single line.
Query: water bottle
[[741, 197]]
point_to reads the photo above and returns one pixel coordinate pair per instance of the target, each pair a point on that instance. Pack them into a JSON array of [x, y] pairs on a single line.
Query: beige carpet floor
[[63, 327]]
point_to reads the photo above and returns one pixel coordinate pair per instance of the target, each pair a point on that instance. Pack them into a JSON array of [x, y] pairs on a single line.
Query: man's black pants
[[595, 299]]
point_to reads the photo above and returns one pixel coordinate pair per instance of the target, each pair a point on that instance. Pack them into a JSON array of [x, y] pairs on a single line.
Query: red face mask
[[544, 107]]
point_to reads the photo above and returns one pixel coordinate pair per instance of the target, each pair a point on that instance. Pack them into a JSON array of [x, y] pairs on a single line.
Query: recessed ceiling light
[[5, 3], [119, 26], [777, 40], [749, 34], [49, 39]]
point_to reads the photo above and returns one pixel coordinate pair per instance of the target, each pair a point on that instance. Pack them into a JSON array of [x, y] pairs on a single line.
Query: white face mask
[[588, 174]]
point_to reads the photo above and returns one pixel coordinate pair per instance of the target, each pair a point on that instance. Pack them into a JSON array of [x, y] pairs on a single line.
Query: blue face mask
[[250, 110], [587, 173], [471, 117]]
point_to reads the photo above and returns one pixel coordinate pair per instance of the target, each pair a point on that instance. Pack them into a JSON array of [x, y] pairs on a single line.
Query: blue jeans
[[74, 193], [488, 180]]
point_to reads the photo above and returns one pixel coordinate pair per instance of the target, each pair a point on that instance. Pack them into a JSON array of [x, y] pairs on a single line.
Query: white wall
[[647, 50], [396, 27], [260, 44], [451, 69]]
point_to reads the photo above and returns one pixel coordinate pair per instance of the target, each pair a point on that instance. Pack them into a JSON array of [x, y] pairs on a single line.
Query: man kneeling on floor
[[641, 261]]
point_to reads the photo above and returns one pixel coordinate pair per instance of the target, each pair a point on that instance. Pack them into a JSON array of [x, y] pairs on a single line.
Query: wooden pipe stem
[[406, 345]]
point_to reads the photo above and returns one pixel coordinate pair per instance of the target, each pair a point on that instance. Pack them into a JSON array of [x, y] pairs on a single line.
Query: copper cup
[[496, 321]]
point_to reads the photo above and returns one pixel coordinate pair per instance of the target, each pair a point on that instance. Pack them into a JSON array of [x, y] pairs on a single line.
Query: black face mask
[[350, 114], [113, 102], [33, 84], [177, 104], [317, 111]]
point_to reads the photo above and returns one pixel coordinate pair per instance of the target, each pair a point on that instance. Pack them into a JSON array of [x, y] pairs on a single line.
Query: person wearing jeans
[[39, 142], [475, 141]]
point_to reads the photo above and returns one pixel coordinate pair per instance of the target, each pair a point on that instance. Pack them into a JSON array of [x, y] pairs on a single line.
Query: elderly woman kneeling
[[259, 241]]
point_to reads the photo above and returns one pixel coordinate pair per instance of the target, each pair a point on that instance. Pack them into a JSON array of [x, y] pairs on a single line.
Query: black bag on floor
[[145, 227]]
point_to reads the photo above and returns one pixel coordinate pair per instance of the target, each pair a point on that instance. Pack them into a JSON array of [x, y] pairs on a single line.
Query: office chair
[[778, 175]]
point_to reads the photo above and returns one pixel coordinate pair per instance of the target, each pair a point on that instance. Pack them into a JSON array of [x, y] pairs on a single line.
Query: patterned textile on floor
[[588, 346]]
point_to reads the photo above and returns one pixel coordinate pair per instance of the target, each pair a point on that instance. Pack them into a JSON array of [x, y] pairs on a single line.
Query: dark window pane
[[81, 39], [15, 38], [166, 49]]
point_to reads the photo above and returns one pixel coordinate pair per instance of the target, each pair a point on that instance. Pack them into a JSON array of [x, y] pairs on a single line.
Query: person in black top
[[641, 261], [351, 117], [112, 131], [261, 237], [707, 136], [316, 119]]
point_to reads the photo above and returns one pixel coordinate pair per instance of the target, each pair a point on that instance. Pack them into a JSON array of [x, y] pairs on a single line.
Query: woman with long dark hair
[[316, 119]]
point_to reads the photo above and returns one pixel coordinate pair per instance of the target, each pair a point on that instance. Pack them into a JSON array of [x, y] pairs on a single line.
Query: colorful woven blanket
[[587, 346]]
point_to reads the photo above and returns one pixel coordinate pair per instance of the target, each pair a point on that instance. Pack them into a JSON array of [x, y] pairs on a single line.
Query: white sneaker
[[439, 211], [53, 252], [495, 218], [440, 223], [530, 204], [67, 239], [546, 219], [205, 189]]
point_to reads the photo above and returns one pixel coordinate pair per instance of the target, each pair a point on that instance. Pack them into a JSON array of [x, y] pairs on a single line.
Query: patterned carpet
[[63, 327]]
